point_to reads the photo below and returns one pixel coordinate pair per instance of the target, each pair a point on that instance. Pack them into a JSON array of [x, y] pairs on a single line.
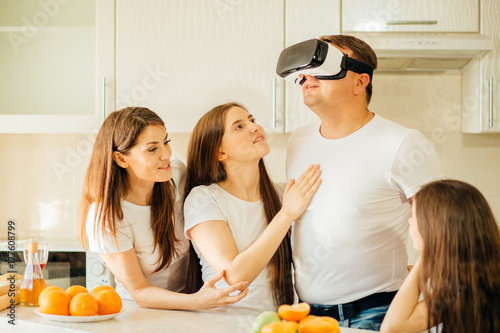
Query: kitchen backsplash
[[41, 175]]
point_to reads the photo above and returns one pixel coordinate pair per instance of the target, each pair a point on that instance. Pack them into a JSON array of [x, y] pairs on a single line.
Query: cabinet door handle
[[490, 86], [410, 22], [274, 102], [103, 98]]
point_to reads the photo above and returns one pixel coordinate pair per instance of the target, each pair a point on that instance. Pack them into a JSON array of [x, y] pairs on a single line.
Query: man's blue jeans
[[369, 319]]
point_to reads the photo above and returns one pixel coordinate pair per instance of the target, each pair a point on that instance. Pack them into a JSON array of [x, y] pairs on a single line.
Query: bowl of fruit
[[294, 318], [77, 304]]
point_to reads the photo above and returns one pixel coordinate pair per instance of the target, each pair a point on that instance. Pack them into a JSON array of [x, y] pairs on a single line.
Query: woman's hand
[[209, 297], [299, 193]]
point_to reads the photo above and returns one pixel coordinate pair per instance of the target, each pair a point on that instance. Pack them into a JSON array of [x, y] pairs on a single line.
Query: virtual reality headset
[[319, 59]]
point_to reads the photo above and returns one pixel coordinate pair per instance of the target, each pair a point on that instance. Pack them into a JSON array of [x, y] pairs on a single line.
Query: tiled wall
[[41, 175]]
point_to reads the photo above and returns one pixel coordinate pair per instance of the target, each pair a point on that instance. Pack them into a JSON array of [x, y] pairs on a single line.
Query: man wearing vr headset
[[349, 246]]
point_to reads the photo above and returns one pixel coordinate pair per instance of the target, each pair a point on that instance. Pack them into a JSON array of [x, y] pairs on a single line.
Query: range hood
[[425, 52]]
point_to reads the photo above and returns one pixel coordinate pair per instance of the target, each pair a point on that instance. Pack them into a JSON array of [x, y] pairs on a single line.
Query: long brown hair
[[106, 183], [361, 51], [203, 168], [460, 276]]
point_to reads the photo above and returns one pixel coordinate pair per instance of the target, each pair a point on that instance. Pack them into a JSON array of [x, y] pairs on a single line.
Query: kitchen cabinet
[[193, 56], [178, 58], [481, 79], [410, 15], [181, 58], [55, 56], [306, 19]]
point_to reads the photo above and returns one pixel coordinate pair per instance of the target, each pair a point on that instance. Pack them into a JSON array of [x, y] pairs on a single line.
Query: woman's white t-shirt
[[134, 231], [247, 221]]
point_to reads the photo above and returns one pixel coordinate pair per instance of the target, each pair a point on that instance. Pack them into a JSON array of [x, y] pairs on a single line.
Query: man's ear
[[120, 159], [361, 83], [222, 156]]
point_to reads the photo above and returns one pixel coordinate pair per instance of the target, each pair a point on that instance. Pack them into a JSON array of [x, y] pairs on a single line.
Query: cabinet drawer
[[410, 15]]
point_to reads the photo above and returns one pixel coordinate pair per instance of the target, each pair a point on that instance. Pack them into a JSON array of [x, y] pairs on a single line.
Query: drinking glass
[[43, 253]]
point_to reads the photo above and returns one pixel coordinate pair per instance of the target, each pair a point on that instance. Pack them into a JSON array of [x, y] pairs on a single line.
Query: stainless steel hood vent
[[428, 52]]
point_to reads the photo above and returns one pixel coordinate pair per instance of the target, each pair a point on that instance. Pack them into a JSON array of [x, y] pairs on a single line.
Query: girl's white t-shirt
[[134, 231], [247, 221]]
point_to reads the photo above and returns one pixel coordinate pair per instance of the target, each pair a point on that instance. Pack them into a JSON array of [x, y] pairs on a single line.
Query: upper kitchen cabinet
[[481, 79], [180, 58], [410, 15], [306, 19], [55, 56]]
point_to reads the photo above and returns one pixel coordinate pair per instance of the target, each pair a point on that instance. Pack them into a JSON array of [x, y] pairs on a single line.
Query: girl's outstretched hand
[[299, 193], [209, 297]]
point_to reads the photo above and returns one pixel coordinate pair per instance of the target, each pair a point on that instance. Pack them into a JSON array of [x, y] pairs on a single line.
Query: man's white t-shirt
[[351, 240], [134, 231], [247, 221]]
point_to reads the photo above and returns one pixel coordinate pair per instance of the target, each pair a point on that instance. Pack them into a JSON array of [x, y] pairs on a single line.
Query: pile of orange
[[77, 301], [296, 319]]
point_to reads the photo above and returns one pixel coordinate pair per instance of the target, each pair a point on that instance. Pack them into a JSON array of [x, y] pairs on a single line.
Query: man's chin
[[309, 102]]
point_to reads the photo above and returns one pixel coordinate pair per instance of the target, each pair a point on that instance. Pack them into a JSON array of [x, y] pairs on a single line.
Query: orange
[[76, 289], [109, 302], [83, 305], [314, 324], [294, 312], [54, 302], [281, 327], [99, 288], [47, 289]]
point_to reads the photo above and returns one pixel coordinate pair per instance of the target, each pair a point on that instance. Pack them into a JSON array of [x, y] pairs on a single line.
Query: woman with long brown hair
[[458, 273], [131, 213], [233, 211]]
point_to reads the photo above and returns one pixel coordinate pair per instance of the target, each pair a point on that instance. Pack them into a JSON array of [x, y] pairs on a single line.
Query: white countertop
[[137, 319]]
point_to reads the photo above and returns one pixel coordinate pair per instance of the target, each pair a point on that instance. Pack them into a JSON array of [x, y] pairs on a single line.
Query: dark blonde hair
[[361, 51], [204, 168], [460, 276], [106, 183]]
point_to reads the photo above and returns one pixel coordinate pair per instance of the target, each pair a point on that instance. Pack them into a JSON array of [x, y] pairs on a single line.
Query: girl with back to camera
[[131, 214], [458, 273], [233, 211]]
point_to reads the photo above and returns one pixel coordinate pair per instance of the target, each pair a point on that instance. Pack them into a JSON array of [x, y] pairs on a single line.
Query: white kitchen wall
[[41, 175]]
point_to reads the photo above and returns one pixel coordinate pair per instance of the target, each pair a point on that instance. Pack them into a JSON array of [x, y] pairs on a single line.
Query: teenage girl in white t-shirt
[[129, 215], [455, 284], [233, 212]]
